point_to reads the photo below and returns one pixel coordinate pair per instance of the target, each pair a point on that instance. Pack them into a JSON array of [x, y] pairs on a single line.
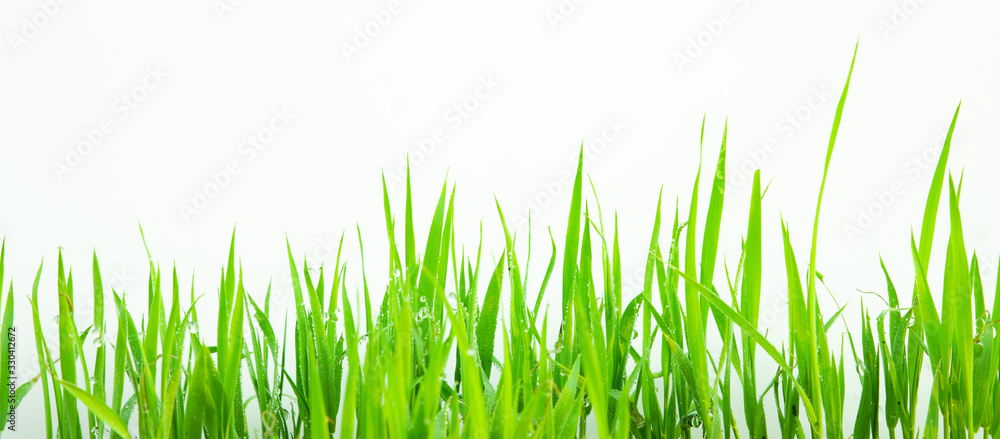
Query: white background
[[361, 95]]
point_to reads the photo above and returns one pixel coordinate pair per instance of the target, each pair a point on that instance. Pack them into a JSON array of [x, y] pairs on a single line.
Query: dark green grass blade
[[67, 346], [487, 326]]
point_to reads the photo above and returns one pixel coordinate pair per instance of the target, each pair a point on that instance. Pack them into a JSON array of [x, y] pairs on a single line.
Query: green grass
[[437, 357]]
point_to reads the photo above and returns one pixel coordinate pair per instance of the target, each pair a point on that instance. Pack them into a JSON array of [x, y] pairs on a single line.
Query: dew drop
[[422, 314]]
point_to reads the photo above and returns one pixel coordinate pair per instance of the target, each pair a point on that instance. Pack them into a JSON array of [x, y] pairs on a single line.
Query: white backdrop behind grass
[[280, 117]]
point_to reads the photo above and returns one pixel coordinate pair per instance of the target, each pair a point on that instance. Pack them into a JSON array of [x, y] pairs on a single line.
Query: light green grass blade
[[476, 424], [694, 320], [650, 412], [812, 310], [960, 295], [594, 379], [572, 239], [713, 225], [748, 328], [409, 235], [548, 275], [750, 309], [934, 194], [98, 407]]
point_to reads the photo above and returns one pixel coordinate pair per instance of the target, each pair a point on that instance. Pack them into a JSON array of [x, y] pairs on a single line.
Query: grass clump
[[436, 357]]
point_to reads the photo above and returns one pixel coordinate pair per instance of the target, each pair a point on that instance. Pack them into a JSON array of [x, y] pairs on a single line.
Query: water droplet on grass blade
[[422, 314]]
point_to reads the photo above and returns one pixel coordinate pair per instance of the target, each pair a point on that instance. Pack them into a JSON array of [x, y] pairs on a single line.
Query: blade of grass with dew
[[915, 339], [410, 246], [693, 321], [199, 399], [353, 370], [441, 272], [97, 407], [713, 223], [960, 295], [994, 428], [547, 277], [100, 337], [120, 362], [894, 362], [567, 354], [568, 408], [866, 421], [476, 424], [651, 413], [520, 330], [982, 377], [67, 348], [748, 327], [818, 350], [428, 267], [487, 325], [589, 298], [750, 309]]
